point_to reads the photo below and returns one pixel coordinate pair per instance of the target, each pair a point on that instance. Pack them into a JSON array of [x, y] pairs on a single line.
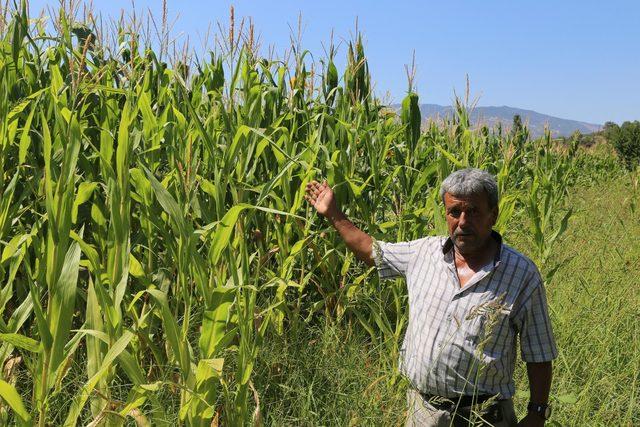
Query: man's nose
[[462, 219]]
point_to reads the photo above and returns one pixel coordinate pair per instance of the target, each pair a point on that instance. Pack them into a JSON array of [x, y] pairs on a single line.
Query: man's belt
[[450, 403]]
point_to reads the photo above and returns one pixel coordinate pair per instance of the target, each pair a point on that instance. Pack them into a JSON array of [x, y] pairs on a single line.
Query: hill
[[491, 116]]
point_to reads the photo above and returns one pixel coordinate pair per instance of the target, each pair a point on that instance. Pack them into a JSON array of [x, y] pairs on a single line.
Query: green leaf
[[62, 308], [246, 372], [147, 113], [214, 321], [297, 247], [135, 268], [155, 386], [10, 395], [169, 204], [85, 190], [222, 235], [568, 399], [13, 246], [449, 156], [6, 200], [94, 347], [19, 108], [81, 398], [43, 327], [21, 341], [172, 331], [25, 138]]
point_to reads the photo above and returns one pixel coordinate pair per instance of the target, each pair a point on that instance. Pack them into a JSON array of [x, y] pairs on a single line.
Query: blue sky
[[572, 59]]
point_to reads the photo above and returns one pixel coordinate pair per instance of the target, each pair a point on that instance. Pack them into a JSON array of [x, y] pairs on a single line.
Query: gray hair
[[470, 181]]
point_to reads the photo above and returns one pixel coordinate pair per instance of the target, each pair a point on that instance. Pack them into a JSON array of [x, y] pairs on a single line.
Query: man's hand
[[320, 196], [531, 420]]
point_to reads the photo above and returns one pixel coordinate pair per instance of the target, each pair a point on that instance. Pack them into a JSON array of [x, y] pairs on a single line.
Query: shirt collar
[[448, 245]]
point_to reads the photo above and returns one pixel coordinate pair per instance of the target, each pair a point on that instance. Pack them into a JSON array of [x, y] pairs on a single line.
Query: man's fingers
[[322, 193], [314, 184], [316, 191], [312, 188]]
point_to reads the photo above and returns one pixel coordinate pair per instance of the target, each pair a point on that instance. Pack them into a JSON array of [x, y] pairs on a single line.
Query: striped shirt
[[462, 341]]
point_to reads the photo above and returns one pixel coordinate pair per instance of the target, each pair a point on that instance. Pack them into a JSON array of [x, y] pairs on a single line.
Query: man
[[470, 296]]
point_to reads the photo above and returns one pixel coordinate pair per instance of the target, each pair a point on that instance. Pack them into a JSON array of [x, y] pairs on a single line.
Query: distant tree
[[626, 140], [609, 126], [516, 127]]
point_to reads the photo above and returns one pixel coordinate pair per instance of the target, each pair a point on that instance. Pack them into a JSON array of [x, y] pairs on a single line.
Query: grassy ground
[[595, 304], [328, 376], [331, 375]]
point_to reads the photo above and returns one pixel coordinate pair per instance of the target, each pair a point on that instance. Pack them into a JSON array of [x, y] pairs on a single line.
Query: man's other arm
[[538, 347], [321, 197], [539, 375]]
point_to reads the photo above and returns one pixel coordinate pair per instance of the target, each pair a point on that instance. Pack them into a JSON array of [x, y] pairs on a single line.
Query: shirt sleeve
[[537, 343], [391, 259]]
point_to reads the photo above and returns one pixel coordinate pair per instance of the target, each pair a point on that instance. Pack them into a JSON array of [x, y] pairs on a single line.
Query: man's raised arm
[[321, 197]]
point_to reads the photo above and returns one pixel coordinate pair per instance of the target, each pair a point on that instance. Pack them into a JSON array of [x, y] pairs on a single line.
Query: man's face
[[469, 220]]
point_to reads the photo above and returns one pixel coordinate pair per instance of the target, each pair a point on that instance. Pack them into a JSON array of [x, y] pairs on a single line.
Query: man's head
[[470, 199]]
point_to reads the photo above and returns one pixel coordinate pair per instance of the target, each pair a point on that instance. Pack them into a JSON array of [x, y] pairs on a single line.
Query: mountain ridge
[[492, 115]]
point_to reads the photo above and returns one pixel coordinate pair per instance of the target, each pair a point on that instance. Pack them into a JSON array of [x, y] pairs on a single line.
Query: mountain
[[490, 116]]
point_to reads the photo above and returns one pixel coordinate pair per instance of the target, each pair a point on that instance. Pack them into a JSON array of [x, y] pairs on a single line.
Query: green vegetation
[[595, 308], [159, 264], [626, 140]]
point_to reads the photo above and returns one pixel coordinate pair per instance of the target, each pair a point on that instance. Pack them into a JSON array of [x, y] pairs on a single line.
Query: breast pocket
[[487, 328]]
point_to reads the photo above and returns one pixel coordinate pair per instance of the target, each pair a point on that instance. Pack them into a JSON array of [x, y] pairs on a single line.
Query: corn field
[[153, 227]]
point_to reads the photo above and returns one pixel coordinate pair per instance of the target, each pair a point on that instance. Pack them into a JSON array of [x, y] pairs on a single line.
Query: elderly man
[[470, 296]]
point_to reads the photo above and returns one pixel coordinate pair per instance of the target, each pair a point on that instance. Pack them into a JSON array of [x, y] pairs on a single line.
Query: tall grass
[[153, 227], [594, 309]]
